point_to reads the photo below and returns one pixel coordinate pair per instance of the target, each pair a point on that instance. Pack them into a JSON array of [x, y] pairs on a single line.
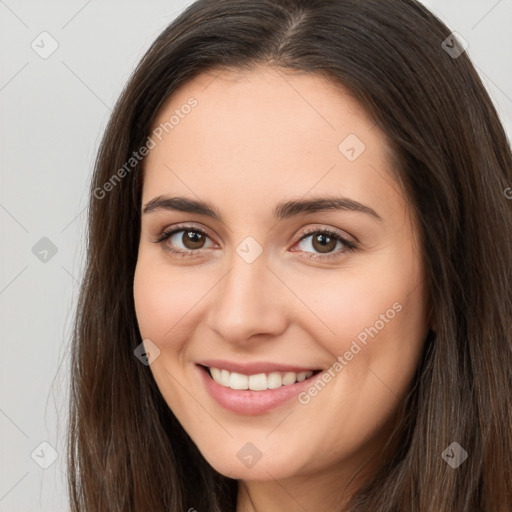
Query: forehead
[[269, 131], [265, 101]]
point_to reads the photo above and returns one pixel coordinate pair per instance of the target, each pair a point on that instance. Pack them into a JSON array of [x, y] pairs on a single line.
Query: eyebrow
[[282, 211]]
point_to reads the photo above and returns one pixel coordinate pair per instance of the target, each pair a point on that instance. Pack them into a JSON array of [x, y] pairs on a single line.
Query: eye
[[324, 242], [317, 244], [183, 240]]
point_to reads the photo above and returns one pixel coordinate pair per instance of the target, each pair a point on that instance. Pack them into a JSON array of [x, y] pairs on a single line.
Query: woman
[[298, 289]]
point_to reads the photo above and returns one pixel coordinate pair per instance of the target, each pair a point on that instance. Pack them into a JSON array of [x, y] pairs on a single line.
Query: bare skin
[[256, 139]]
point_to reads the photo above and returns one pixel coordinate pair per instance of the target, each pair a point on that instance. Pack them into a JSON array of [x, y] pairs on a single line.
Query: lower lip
[[248, 402]]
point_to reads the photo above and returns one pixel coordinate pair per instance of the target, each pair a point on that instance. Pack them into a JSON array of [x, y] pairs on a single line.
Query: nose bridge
[[243, 304]]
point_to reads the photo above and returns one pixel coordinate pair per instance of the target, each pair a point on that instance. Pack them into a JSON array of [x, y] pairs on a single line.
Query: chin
[[244, 461]]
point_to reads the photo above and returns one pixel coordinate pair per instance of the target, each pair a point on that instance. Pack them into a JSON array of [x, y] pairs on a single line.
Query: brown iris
[[193, 240], [323, 243]]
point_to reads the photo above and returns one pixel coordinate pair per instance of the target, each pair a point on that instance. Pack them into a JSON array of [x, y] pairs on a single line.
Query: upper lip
[[253, 368]]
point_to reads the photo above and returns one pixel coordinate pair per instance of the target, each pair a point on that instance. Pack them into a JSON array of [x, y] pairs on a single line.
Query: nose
[[249, 300]]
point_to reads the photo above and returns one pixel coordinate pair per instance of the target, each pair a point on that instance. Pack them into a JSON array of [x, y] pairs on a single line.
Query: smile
[[259, 381], [261, 388]]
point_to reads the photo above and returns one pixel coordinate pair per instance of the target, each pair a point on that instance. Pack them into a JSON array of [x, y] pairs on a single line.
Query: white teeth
[[224, 378], [302, 376], [274, 380], [258, 382], [238, 381], [289, 378]]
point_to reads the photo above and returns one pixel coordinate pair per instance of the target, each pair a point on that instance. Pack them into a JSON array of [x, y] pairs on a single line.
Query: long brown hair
[[127, 451]]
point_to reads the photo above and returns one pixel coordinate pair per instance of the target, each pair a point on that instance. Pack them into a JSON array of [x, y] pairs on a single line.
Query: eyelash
[[349, 245]]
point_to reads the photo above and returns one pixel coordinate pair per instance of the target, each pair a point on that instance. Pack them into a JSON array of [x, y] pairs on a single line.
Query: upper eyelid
[[184, 227], [334, 231]]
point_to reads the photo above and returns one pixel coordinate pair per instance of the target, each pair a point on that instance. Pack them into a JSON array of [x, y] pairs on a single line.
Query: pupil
[[326, 243], [193, 239]]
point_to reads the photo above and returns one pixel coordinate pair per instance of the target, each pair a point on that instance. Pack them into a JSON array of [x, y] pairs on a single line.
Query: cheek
[[164, 309], [384, 293], [163, 302], [347, 307], [379, 327], [375, 320]]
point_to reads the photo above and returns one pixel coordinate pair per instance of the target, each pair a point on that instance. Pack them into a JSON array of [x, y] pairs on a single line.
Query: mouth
[[251, 393], [257, 381]]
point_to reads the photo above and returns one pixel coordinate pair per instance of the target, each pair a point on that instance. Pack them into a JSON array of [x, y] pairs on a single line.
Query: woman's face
[[296, 252]]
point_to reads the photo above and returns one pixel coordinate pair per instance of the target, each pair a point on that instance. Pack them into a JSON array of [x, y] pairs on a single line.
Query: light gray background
[[52, 114]]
